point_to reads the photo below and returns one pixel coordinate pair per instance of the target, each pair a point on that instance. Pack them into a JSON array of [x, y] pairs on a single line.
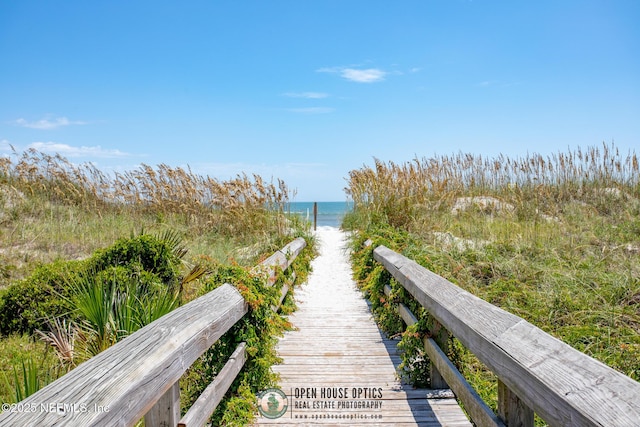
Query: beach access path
[[338, 368]]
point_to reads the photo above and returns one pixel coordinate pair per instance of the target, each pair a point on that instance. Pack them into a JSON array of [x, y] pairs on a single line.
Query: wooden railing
[[138, 376], [536, 372]]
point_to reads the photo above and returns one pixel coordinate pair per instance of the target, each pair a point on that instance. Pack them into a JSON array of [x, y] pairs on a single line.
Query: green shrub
[[152, 263], [26, 305], [141, 253]]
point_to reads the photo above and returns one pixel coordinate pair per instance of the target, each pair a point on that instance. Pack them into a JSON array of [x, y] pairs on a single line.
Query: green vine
[[259, 328], [415, 365]]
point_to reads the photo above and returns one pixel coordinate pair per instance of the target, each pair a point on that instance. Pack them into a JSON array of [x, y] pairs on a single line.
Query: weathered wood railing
[[138, 376], [536, 372]]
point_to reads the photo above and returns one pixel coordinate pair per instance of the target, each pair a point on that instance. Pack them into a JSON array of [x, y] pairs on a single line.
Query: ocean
[[329, 213]]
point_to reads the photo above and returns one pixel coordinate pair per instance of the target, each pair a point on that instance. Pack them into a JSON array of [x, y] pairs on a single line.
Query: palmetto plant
[[95, 303], [111, 310]]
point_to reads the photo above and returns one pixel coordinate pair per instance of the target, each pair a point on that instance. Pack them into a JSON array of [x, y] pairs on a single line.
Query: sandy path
[[337, 348]]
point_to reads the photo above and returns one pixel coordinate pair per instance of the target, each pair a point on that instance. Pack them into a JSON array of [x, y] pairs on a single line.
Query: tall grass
[[396, 191], [51, 208], [555, 239], [232, 207]]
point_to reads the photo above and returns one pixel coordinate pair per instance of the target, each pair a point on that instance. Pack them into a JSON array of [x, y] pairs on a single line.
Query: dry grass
[[51, 208], [534, 184], [226, 206], [554, 240]]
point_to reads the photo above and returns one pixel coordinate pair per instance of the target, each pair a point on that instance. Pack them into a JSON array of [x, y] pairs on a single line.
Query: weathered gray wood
[[166, 411], [121, 384], [477, 409], [441, 337], [206, 404], [292, 250], [450, 377], [512, 410], [562, 385], [437, 380], [336, 343], [281, 259]]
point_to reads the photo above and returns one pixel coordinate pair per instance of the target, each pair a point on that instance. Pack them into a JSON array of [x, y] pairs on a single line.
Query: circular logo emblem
[[272, 403]]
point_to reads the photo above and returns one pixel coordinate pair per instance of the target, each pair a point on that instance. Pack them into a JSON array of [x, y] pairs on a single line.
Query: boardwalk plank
[[335, 343]]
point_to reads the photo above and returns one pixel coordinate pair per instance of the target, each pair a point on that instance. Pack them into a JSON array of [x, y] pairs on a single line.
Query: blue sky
[[308, 90]]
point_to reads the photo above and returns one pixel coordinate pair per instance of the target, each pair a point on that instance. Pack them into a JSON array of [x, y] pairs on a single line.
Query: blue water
[[329, 213]]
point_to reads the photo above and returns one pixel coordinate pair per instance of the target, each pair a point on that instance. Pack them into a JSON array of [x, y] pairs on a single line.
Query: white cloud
[[48, 123], [307, 95], [66, 150], [368, 75], [311, 110]]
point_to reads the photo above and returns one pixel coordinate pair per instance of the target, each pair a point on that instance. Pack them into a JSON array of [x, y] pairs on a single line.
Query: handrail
[[126, 381], [537, 372]]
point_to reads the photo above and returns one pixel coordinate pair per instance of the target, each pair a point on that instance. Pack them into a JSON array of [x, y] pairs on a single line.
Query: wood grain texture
[[337, 345], [562, 385], [477, 409], [166, 411], [120, 385]]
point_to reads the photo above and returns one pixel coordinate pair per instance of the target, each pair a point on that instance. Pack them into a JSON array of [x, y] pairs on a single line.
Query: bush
[[145, 252], [147, 260], [26, 305]]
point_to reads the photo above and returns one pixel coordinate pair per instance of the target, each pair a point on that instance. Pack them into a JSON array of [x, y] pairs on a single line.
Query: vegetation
[[554, 240], [71, 284], [259, 329]]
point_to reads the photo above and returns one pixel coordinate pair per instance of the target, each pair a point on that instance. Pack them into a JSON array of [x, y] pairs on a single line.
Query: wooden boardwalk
[[338, 368]]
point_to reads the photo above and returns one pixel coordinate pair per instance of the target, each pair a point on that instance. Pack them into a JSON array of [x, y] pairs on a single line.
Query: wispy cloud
[[66, 150], [311, 110], [48, 122], [307, 95], [369, 75], [366, 75]]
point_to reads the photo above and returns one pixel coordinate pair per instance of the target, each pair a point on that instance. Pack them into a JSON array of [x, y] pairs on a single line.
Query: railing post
[[511, 409], [315, 215], [166, 411], [441, 337]]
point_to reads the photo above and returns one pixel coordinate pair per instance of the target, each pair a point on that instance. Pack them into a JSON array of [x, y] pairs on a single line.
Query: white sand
[[332, 275]]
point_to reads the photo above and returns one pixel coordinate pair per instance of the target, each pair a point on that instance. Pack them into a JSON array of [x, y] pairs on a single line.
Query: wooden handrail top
[[116, 387], [564, 386], [282, 258]]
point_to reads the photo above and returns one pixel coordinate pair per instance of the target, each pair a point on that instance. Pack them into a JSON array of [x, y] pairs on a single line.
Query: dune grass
[[555, 240], [52, 209]]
